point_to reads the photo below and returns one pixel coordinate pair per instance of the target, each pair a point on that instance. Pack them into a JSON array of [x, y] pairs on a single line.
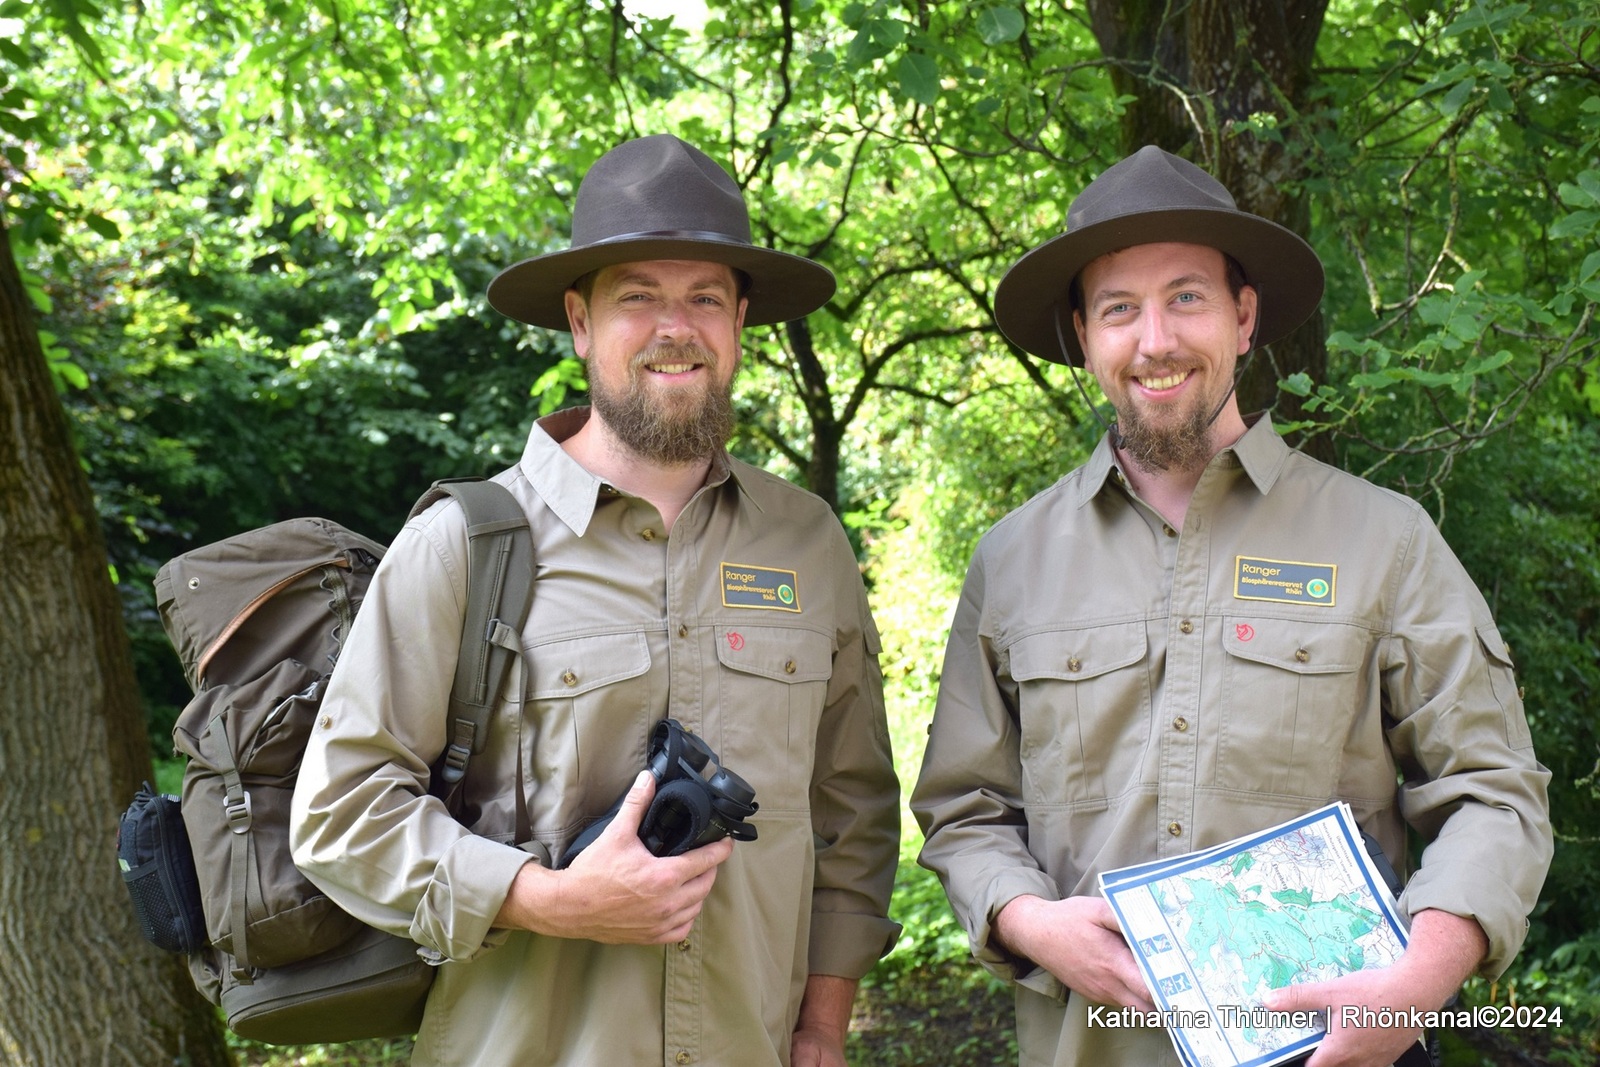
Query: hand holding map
[[1215, 930]]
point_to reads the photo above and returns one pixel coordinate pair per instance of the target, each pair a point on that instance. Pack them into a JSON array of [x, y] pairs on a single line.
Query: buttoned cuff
[[847, 944], [468, 888], [1479, 894]]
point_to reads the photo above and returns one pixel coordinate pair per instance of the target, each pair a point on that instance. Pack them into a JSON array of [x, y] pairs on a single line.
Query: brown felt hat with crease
[[1149, 198], [660, 197]]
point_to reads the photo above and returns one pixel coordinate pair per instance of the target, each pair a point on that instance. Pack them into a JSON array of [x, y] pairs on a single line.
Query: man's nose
[[675, 322], [1155, 333]]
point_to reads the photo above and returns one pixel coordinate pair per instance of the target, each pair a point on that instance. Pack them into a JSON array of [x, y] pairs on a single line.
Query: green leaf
[[1576, 195], [1591, 266], [1485, 17], [65, 372], [919, 77], [1455, 98], [1575, 224], [1298, 384], [1487, 363], [889, 33], [1376, 380], [1000, 25], [401, 318], [1427, 377], [862, 50], [103, 226]]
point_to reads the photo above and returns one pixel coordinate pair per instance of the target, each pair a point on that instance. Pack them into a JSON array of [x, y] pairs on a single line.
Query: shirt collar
[[1260, 451], [566, 487]]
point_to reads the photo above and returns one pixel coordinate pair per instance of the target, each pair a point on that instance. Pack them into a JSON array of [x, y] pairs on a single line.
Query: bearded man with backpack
[[674, 584]]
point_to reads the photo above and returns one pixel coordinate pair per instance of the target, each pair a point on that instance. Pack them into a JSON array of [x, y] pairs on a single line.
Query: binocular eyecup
[[697, 800]]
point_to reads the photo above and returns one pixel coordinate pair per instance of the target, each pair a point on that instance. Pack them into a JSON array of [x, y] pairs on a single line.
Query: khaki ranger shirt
[[1117, 691], [750, 626]]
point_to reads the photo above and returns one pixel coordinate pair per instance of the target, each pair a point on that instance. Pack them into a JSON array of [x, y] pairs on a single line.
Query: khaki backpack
[[258, 621]]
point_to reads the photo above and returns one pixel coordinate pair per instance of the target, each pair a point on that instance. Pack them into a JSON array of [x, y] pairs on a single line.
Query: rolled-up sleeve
[[363, 827], [1472, 786], [855, 798]]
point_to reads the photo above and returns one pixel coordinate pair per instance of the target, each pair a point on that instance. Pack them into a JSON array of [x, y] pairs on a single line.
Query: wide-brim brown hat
[[659, 197], [1152, 197]]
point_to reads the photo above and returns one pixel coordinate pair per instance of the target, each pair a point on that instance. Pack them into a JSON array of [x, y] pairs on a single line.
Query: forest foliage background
[[256, 237]]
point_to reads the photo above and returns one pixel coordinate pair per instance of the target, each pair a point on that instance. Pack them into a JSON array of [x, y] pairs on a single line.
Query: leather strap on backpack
[[499, 594]]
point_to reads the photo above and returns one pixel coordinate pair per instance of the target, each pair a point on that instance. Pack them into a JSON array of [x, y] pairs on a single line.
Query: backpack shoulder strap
[[499, 594]]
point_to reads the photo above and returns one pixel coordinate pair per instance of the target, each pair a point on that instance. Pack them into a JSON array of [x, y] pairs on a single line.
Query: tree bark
[[1197, 74], [827, 432], [79, 984]]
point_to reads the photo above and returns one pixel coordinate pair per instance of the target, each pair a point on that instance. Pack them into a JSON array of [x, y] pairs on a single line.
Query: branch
[[785, 10]]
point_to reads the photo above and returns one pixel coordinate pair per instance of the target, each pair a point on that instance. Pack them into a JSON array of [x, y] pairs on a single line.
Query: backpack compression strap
[[499, 593]]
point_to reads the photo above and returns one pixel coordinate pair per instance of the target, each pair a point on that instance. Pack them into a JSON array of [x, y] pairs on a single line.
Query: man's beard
[[665, 428], [1181, 446]]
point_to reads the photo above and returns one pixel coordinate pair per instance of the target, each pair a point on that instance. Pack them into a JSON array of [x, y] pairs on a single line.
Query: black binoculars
[[697, 800]]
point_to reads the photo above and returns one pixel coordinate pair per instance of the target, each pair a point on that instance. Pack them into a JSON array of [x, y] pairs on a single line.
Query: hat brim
[[783, 287], [1281, 267]]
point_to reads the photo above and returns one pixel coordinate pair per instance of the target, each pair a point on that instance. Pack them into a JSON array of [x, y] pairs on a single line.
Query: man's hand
[[1078, 941], [616, 892], [824, 1022], [1444, 949]]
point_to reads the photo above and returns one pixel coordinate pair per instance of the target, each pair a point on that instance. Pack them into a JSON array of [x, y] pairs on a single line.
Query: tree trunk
[[827, 432], [1197, 77], [79, 984]]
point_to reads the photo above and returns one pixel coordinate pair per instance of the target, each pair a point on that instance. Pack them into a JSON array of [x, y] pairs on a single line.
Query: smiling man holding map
[[1200, 634]]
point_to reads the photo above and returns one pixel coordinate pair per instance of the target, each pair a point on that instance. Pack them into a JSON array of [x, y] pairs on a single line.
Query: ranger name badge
[[1284, 581], [746, 586]]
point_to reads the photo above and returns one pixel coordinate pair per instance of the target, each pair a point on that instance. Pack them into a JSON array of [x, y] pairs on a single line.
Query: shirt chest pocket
[[772, 685], [1292, 697], [1083, 709], [585, 727]]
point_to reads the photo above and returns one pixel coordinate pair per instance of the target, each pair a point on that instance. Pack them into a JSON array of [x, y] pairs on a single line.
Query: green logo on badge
[[786, 594], [1317, 588]]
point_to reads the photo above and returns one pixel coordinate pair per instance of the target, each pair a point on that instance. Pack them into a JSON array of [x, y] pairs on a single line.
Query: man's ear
[[1248, 306], [578, 319]]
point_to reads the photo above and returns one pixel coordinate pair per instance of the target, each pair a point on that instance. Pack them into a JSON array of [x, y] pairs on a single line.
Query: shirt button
[[1180, 724], [683, 946], [1170, 531], [648, 534], [1186, 626], [683, 631], [1175, 829], [1074, 664], [788, 668], [684, 1057], [569, 678], [1302, 656]]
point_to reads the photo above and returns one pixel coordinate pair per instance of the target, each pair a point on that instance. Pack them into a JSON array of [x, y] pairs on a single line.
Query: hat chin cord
[[1111, 428]]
